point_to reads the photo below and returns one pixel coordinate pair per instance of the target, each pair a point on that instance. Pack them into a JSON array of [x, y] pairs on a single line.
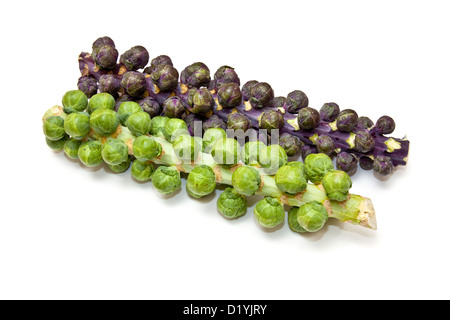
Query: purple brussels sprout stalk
[[325, 144], [173, 108], [223, 75], [134, 83], [159, 60], [214, 122], [364, 142], [105, 56], [150, 105], [88, 85], [385, 125], [247, 88], [271, 119], [196, 75], [347, 120], [110, 83], [200, 101], [165, 77], [346, 162], [364, 123], [329, 112], [296, 100], [291, 144], [135, 58], [308, 118], [229, 95], [238, 121], [383, 165], [261, 95], [366, 163]]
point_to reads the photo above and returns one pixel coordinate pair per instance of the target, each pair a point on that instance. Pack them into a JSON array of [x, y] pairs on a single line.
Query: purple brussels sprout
[[150, 105], [214, 122], [196, 75], [200, 101], [308, 118], [135, 58], [347, 120], [236, 121], [102, 41], [279, 102], [110, 83], [159, 60], [134, 83], [329, 111], [385, 125], [226, 74], [123, 98], [105, 56], [346, 162], [229, 95], [247, 88], [88, 85], [271, 119], [383, 165], [366, 163], [173, 108], [296, 100], [324, 144], [307, 150], [364, 142], [165, 77], [261, 94], [291, 144], [364, 123]]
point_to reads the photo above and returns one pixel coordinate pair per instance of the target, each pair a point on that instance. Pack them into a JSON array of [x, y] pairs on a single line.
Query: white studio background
[[67, 232]]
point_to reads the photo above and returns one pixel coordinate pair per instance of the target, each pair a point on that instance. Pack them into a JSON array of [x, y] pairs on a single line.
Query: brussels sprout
[[293, 221], [142, 171], [105, 56], [261, 94], [173, 108], [312, 216], [385, 125], [159, 60], [53, 128], [231, 204], [139, 123], [229, 95], [134, 83], [88, 85], [135, 58], [196, 75], [246, 180], [150, 105], [364, 142], [90, 153], [269, 212], [146, 148], [110, 83], [201, 181], [317, 165], [165, 77], [300, 165], [123, 98], [225, 151], [126, 109], [238, 121], [337, 183], [247, 88], [324, 144], [271, 119], [279, 102], [308, 118], [366, 163], [101, 100], [114, 151], [104, 121], [74, 101], [272, 157], [57, 145], [290, 179], [71, 147], [102, 41], [364, 123], [383, 165], [211, 135], [250, 152], [346, 162], [173, 128], [121, 167], [347, 120], [166, 180], [225, 75], [214, 122], [329, 111], [157, 126], [187, 148], [307, 150], [296, 100], [77, 125], [291, 144], [200, 101]]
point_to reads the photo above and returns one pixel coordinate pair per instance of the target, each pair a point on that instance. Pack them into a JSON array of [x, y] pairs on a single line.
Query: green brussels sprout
[[114, 151], [121, 167], [337, 183], [90, 153], [104, 121], [231, 204], [139, 123], [317, 165], [53, 128], [290, 179], [57, 145], [146, 148], [308, 118], [173, 128], [157, 126], [142, 171], [77, 125], [250, 152], [126, 108], [269, 212], [272, 157], [226, 151], [246, 180], [312, 216], [71, 147], [201, 181], [101, 100], [74, 101], [211, 135], [166, 180], [187, 148], [293, 221], [200, 101]]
